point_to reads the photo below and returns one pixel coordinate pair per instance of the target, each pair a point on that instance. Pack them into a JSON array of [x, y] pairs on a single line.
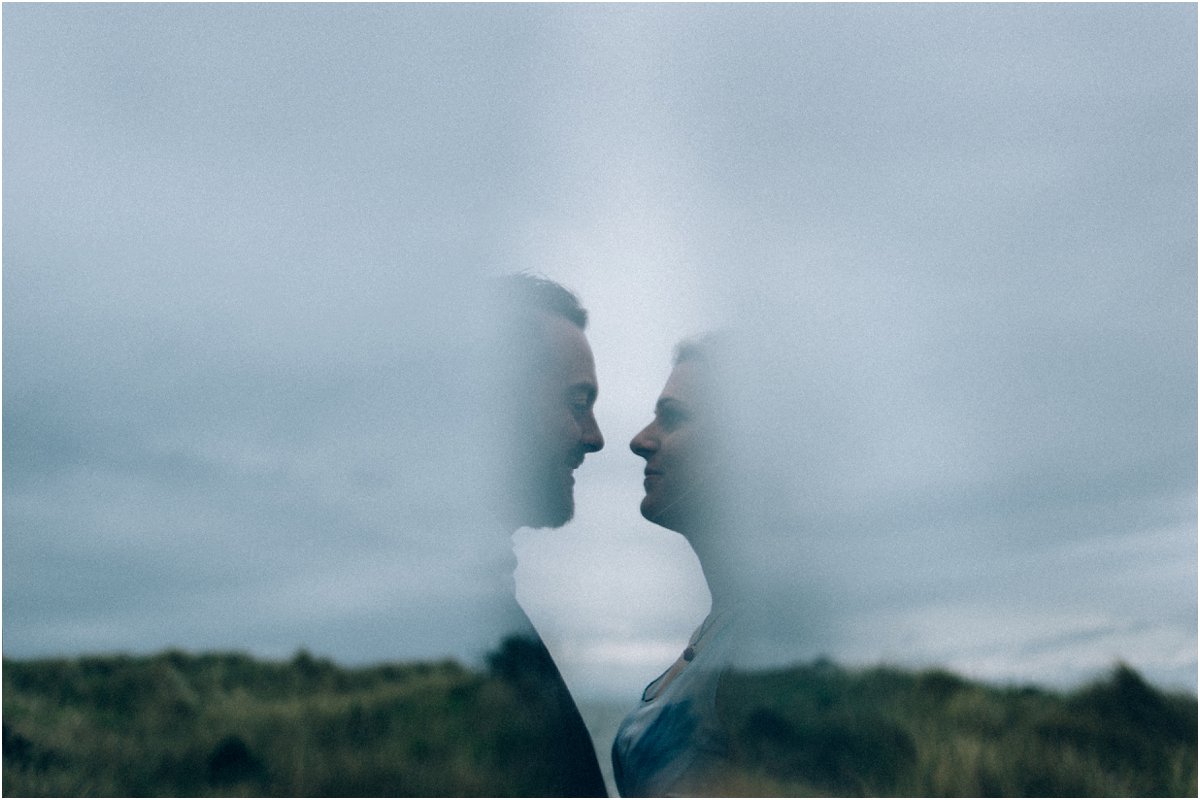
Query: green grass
[[821, 730], [228, 725]]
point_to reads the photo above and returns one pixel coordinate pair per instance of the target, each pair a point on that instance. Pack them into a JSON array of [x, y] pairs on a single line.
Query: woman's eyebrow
[[665, 404]]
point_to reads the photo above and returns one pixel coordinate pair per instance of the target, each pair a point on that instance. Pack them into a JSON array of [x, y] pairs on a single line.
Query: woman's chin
[[654, 512]]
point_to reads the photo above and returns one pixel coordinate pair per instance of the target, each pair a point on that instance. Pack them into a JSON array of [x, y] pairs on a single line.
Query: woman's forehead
[[685, 382]]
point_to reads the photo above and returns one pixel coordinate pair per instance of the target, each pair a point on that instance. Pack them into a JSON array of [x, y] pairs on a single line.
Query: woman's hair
[[703, 347]]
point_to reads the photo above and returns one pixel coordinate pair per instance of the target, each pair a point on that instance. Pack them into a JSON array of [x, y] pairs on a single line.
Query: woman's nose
[[644, 444]]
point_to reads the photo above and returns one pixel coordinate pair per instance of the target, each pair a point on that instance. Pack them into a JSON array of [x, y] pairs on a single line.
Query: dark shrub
[[232, 762], [522, 662], [939, 683]]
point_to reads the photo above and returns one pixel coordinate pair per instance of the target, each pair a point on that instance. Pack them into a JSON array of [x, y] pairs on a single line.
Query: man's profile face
[[556, 426]]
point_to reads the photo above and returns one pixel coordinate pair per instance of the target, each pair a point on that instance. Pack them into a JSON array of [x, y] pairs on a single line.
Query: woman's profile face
[[676, 446]]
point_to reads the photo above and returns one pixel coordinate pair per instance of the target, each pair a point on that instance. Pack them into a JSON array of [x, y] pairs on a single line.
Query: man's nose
[[593, 440]]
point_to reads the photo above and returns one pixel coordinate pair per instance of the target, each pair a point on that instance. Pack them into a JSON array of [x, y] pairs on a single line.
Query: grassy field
[[821, 730], [228, 725]]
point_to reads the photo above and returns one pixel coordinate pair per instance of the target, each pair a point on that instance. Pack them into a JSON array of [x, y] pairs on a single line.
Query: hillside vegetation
[[821, 730], [227, 725]]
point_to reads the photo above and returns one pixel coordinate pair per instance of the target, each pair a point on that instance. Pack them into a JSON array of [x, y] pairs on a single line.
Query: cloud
[[241, 246]]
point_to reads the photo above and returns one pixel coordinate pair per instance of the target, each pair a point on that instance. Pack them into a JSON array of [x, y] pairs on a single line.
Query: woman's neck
[[723, 584]]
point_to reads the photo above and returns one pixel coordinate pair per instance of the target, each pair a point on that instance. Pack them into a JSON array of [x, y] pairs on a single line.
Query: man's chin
[[551, 512], [554, 519]]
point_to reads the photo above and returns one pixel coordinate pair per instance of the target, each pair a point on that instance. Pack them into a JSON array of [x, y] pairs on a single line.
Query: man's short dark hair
[[523, 292]]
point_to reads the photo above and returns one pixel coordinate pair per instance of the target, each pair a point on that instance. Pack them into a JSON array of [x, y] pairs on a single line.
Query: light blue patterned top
[[673, 739]]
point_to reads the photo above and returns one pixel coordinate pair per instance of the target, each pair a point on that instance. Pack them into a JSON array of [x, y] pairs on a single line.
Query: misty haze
[[276, 413]]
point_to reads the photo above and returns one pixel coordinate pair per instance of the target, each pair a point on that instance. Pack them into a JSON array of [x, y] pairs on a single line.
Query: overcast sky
[[238, 238]]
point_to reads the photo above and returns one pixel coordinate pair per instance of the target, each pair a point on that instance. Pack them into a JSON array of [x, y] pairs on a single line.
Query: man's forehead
[[569, 348]]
